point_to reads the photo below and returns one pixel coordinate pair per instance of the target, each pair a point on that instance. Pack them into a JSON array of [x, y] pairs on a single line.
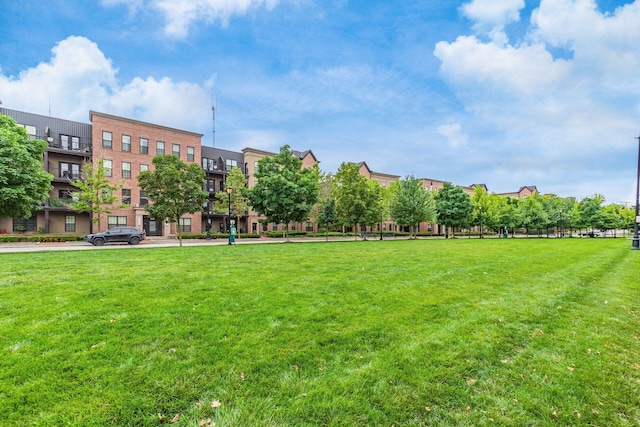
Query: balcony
[[59, 204], [78, 147], [64, 175]]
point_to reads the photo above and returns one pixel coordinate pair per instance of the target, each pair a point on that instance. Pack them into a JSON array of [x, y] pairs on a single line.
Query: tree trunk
[[178, 231]]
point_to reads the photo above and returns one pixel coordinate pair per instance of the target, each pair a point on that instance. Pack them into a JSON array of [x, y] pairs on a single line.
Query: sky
[[507, 93]]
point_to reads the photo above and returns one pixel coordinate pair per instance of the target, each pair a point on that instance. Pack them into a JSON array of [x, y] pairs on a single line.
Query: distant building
[[127, 147]]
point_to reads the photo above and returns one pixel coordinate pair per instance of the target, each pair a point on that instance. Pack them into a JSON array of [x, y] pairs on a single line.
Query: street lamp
[[635, 244], [480, 209], [381, 218], [209, 218], [229, 191]]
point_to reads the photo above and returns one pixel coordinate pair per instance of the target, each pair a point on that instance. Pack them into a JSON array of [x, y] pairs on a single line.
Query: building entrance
[[152, 227]]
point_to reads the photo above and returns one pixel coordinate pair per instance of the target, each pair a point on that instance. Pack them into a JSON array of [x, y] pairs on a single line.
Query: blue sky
[[502, 92]]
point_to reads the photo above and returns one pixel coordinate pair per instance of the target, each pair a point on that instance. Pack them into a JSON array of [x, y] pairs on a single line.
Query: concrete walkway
[[150, 243]]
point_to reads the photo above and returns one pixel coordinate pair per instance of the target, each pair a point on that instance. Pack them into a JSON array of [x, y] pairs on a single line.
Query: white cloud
[[491, 16], [575, 112], [493, 12], [79, 78], [455, 137], [180, 15]]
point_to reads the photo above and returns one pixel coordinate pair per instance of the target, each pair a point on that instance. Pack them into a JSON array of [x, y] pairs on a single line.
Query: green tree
[[531, 213], [357, 198], [237, 182], [453, 207], [327, 216], [484, 209], [506, 216], [410, 203], [285, 191], [24, 185], [590, 212], [628, 218], [174, 189], [96, 193], [323, 212], [612, 219]]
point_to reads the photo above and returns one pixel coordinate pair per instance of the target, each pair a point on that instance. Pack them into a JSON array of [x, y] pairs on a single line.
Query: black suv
[[130, 235]]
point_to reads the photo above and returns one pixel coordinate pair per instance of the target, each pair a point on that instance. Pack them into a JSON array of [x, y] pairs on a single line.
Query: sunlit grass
[[406, 333]]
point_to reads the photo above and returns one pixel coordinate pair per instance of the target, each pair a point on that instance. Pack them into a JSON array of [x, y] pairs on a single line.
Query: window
[[144, 146], [126, 196], [175, 150], [116, 221], [107, 139], [70, 223], [274, 226], [31, 130], [144, 167], [230, 163], [126, 143], [64, 142], [221, 185], [255, 167], [28, 224], [126, 169], [143, 198], [64, 194], [185, 225], [108, 167], [159, 148], [211, 185], [191, 154], [69, 170], [309, 227]]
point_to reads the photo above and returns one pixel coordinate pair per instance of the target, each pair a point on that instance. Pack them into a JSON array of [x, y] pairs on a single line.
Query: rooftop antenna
[[213, 111]]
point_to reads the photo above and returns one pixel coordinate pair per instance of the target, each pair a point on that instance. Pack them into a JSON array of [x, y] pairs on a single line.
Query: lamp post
[[229, 191], [381, 218], [635, 244], [209, 218], [480, 209]]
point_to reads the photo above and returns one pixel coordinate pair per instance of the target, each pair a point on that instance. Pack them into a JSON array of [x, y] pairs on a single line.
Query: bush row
[[11, 238]]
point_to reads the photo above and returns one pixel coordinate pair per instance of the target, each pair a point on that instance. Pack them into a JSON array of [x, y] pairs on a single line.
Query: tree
[[531, 213], [324, 211], [410, 203], [237, 182], [96, 193], [357, 198], [484, 209], [612, 219], [24, 185], [285, 191], [327, 216], [590, 211], [453, 207], [174, 189]]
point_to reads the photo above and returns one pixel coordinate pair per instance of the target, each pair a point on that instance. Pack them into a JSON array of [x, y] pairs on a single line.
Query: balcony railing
[[80, 146], [57, 202]]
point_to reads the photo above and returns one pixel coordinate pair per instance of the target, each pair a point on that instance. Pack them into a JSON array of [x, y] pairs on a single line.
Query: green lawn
[[459, 332]]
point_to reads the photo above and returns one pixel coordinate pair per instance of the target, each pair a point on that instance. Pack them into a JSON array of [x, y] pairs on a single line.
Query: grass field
[[464, 332]]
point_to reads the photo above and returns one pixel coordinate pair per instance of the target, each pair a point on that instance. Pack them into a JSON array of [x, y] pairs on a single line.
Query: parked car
[[130, 235], [592, 233]]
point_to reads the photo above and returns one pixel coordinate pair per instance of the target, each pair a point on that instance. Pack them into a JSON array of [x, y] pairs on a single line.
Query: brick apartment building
[[127, 147]]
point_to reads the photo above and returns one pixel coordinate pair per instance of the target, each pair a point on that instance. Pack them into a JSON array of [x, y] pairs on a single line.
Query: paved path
[[147, 243]]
